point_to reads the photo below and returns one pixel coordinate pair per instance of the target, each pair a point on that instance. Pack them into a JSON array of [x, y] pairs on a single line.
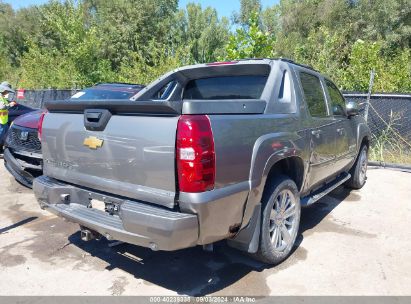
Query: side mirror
[[352, 109]]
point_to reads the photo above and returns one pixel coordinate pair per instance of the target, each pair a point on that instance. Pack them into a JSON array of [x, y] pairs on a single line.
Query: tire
[[279, 232], [359, 170]]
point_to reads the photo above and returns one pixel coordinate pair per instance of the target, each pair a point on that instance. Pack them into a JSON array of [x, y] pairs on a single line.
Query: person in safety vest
[[5, 89]]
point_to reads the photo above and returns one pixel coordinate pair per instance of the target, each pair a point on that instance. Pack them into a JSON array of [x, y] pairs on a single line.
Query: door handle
[[93, 116], [316, 133], [96, 119]]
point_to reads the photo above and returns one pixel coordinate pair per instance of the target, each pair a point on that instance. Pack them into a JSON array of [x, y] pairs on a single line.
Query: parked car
[[108, 91], [22, 156], [14, 112], [227, 150], [18, 110]]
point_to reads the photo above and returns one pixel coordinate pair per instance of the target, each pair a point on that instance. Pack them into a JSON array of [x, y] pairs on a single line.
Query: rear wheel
[[280, 220], [359, 170]]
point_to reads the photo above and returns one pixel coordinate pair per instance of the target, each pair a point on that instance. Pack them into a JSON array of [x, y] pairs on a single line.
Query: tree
[[66, 43], [247, 9], [346, 39], [392, 73], [128, 26], [68, 51], [250, 41], [270, 20], [162, 60], [202, 32]]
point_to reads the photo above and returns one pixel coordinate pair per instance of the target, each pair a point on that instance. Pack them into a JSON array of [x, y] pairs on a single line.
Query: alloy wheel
[[283, 220], [363, 165]]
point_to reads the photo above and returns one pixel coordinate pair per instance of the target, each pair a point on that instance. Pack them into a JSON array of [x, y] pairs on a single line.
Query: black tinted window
[[285, 88], [166, 90], [313, 94], [229, 87], [337, 101]]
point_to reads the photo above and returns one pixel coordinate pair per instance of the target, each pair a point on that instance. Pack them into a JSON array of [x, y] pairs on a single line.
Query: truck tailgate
[[133, 156]]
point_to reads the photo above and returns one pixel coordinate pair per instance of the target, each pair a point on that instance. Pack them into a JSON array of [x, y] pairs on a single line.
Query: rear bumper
[[18, 169], [136, 223]]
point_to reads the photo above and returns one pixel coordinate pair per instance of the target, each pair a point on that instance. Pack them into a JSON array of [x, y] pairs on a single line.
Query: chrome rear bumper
[[135, 222]]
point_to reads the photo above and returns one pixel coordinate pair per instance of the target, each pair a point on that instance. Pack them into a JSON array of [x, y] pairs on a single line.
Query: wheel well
[[365, 141], [293, 167]]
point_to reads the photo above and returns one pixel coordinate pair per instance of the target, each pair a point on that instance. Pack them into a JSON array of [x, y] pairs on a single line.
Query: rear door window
[[313, 95], [226, 87]]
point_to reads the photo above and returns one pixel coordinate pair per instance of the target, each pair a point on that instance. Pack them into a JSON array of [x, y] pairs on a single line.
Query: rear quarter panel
[[245, 143], [245, 146]]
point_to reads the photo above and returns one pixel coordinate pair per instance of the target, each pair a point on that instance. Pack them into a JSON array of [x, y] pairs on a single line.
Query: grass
[[388, 156], [389, 146]]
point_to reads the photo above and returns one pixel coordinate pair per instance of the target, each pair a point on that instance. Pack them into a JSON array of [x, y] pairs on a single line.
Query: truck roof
[[260, 60]]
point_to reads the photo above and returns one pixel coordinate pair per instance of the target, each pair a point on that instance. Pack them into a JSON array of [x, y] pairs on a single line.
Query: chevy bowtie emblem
[[93, 142]]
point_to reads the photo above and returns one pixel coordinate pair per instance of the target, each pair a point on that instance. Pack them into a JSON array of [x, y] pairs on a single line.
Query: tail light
[[40, 124], [195, 154]]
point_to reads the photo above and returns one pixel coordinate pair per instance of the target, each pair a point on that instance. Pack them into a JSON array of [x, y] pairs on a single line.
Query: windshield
[[226, 87]]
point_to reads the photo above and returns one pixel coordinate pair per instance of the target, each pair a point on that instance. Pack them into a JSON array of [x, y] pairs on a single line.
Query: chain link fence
[[389, 118], [37, 98]]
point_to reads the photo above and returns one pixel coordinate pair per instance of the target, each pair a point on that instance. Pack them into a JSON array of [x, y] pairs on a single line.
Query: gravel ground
[[350, 243]]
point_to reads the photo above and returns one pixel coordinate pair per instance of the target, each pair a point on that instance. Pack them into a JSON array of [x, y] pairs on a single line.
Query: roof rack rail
[[296, 63], [282, 59]]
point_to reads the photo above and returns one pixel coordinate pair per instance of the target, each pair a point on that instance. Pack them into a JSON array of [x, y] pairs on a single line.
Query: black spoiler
[[115, 106], [153, 107]]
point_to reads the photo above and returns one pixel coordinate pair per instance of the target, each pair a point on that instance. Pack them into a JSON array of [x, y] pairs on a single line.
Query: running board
[[316, 195]]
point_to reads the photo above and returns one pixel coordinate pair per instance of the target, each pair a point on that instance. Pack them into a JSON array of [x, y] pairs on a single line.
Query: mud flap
[[248, 238]]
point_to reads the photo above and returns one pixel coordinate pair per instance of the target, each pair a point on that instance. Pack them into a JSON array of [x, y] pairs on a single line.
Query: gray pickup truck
[[225, 150]]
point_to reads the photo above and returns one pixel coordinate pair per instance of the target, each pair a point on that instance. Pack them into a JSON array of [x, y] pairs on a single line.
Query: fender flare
[[263, 161]]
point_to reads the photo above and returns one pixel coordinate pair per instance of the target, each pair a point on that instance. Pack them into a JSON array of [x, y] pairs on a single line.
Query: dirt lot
[[354, 243]]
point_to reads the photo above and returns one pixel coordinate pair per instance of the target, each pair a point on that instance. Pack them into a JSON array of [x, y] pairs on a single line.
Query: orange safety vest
[[4, 114]]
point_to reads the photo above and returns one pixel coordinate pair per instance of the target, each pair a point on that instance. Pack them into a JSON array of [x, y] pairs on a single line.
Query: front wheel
[[359, 170], [280, 220]]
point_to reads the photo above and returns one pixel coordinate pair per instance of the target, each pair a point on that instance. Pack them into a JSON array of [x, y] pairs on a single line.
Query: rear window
[[226, 87], [101, 94]]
